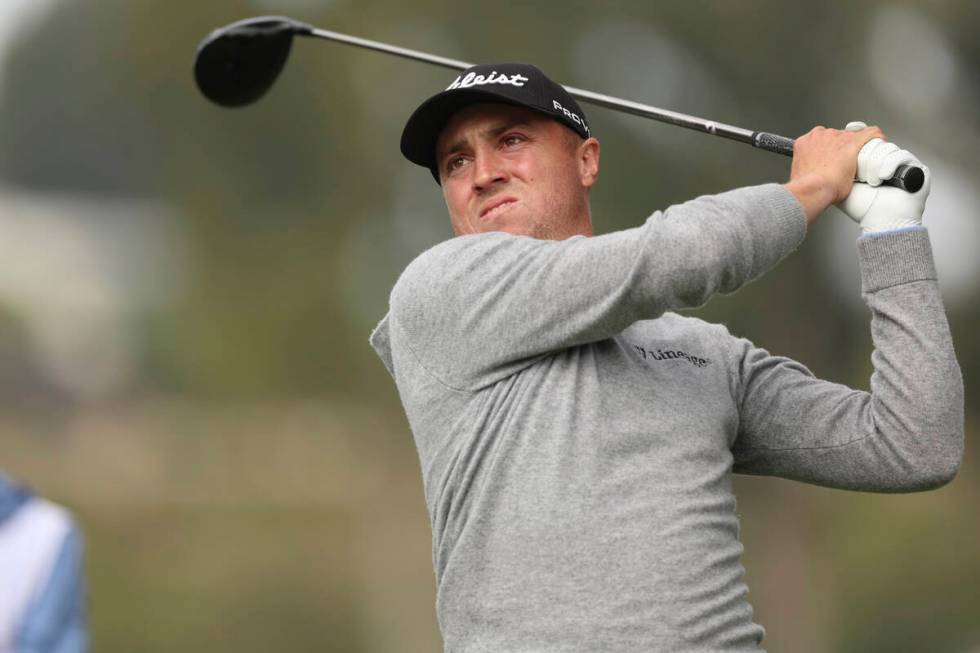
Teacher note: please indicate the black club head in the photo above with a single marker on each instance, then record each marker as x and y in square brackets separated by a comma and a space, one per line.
[235, 65]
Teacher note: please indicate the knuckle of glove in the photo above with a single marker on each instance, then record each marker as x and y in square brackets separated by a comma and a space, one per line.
[893, 208]
[893, 160]
[871, 159]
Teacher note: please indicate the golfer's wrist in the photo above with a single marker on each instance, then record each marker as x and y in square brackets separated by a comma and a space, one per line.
[814, 194]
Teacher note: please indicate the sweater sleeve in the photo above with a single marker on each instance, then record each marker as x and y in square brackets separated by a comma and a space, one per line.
[478, 308]
[906, 434]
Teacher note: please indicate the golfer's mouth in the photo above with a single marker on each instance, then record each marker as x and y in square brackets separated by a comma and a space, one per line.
[496, 207]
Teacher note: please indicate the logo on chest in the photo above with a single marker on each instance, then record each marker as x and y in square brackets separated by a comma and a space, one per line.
[672, 355]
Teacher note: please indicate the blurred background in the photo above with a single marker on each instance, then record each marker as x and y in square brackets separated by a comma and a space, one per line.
[187, 294]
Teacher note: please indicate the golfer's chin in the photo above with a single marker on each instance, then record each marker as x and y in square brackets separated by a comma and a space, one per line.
[513, 222]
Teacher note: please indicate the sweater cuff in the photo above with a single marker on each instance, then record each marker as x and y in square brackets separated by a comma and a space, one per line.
[777, 222]
[891, 258]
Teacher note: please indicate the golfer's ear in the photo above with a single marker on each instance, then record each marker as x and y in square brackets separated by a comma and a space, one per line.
[588, 161]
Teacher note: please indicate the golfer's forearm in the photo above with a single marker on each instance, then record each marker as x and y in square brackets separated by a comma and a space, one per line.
[917, 387]
[717, 243]
[501, 300]
[906, 434]
[813, 194]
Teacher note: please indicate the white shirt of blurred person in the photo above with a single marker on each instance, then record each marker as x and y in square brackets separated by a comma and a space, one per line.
[42, 588]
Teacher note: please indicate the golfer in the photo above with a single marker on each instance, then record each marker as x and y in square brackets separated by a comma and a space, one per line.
[577, 437]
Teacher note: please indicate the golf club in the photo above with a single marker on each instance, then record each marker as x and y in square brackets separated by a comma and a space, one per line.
[235, 65]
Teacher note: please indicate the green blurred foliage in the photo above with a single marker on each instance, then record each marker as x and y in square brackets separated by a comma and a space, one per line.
[299, 214]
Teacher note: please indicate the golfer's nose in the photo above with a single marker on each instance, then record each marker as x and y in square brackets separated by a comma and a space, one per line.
[488, 169]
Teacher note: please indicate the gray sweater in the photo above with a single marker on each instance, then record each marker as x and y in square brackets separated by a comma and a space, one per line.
[577, 439]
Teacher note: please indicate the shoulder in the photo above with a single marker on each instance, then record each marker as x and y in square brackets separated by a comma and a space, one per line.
[449, 252]
[470, 246]
[43, 520]
[450, 264]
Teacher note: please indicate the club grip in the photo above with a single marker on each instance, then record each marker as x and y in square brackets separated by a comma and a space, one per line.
[908, 178]
[773, 143]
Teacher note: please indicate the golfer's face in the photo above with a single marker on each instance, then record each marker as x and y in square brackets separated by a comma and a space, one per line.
[506, 168]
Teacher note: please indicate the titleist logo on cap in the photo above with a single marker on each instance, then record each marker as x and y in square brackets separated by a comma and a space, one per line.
[472, 79]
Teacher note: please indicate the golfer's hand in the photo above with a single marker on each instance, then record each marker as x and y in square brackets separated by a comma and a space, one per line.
[824, 166]
[881, 208]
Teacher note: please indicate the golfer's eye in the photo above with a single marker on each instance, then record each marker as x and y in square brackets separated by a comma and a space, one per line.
[513, 139]
[455, 163]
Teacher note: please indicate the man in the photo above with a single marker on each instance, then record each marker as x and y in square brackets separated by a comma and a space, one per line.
[576, 437]
[42, 589]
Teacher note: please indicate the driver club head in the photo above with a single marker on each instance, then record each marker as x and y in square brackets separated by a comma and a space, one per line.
[235, 65]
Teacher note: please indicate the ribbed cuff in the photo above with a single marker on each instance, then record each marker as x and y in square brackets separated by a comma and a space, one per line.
[892, 258]
[892, 230]
[776, 220]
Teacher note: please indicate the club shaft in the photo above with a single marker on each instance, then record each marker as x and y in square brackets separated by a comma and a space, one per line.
[390, 49]
[907, 177]
[663, 115]
[608, 101]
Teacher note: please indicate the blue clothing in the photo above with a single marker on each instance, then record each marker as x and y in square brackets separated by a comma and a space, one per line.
[42, 609]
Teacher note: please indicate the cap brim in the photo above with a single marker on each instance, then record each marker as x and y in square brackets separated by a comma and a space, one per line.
[422, 130]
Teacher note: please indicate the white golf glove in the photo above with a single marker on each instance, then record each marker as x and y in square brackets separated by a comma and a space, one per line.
[881, 208]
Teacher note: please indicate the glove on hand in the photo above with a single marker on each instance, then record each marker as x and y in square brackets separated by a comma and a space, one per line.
[881, 208]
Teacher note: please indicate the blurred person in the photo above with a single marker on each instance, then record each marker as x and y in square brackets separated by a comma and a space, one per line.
[42, 588]
[576, 436]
